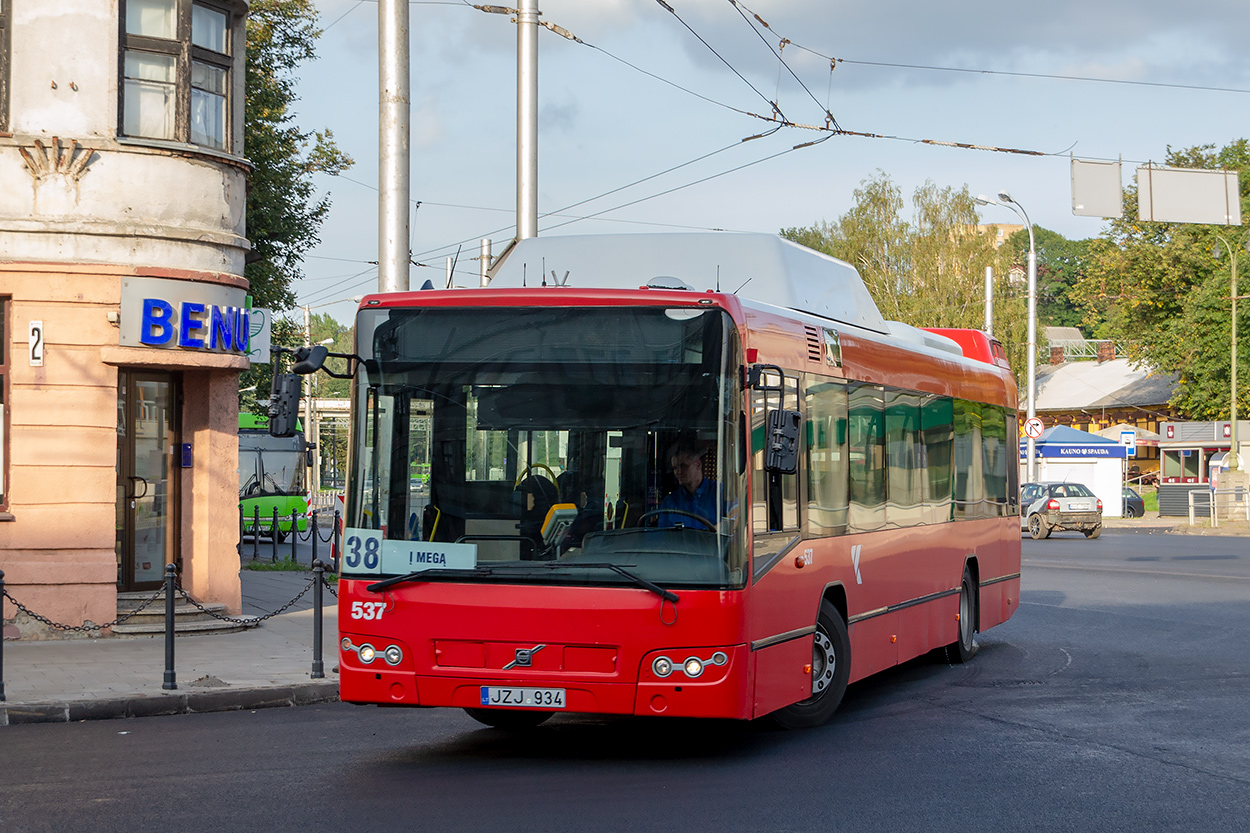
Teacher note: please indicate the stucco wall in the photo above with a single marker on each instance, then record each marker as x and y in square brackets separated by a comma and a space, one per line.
[58, 551]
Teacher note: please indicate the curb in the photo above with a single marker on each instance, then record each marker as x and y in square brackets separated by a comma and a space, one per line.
[302, 694]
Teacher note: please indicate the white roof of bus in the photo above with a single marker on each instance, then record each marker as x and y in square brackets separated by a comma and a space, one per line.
[760, 267]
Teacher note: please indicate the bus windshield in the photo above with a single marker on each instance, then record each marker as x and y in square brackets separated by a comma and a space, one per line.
[270, 465]
[570, 445]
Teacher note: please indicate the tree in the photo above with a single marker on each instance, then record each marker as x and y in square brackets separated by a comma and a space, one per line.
[1061, 265]
[1163, 291]
[283, 216]
[928, 271]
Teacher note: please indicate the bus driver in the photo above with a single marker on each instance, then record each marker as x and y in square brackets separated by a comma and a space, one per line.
[695, 494]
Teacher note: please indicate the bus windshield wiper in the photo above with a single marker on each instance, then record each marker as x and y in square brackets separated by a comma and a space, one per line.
[485, 570]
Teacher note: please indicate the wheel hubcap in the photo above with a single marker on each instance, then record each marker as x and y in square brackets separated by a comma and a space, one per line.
[824, 662]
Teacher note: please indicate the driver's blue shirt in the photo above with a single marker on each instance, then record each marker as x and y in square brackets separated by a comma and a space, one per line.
[702, 503]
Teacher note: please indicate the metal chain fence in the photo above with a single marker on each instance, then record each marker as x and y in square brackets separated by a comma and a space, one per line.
[38, 617]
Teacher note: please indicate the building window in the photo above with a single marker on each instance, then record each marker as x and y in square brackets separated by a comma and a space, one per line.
[4, 403]
[5, 62]
[176, 64]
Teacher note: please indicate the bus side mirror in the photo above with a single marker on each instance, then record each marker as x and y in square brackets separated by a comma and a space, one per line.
[782, 453]
[309, 359]
[284, 405]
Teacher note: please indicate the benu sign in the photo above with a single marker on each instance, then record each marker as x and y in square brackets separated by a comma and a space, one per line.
[184, 315]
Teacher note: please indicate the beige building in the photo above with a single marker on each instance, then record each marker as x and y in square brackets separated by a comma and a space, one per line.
[122, 193]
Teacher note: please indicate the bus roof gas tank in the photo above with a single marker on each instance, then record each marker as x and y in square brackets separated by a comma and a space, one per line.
[763, 268]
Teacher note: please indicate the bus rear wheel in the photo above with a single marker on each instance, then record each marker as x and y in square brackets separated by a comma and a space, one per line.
[965, 647]
[831, 669]
[509, 718]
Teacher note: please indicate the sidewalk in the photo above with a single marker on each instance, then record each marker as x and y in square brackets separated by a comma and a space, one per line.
[269, 665]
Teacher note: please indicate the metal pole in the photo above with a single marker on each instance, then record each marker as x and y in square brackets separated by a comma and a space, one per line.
[255, 531]
[527, 120]
[171, 682]
[273, 536]
[314, 536]
[484, 258]
[294, 533]
[394, 114]
[1234, 457]
[989, 300]
[1031, 467]
[318, 668]
[1, 636]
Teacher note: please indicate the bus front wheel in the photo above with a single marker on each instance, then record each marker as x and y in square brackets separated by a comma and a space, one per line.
[831, 669]
[509, 718]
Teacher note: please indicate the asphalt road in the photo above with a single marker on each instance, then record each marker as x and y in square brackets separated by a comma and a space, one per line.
[1116, 699]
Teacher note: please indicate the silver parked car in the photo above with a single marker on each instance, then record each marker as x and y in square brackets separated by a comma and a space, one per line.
[1049, 506]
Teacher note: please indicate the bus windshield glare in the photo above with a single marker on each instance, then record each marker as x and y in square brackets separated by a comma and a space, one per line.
[581, 446]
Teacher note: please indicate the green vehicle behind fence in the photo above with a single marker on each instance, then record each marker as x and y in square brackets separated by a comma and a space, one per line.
[271, 476]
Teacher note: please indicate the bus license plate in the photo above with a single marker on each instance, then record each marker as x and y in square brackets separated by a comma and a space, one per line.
[523, 698]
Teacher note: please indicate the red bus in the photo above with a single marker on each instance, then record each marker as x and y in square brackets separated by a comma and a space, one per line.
[691, 475]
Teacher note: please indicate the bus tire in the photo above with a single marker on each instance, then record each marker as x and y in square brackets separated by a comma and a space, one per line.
[831, 669]
[965, 647]
[509, 718]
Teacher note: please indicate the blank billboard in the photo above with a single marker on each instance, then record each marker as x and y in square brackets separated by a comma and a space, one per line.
[1188, 195]
[1096, 190]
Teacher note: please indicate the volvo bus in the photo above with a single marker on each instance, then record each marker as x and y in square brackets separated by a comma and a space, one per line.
[692, 475]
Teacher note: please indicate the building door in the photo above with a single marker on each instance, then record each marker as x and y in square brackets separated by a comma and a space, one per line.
[146, 488]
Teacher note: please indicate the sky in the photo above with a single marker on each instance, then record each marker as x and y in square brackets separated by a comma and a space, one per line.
[645, 124]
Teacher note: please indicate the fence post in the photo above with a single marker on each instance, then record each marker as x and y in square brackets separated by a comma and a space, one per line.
[336, 546]
[255, 532]
[313, 527]
[318, 667]
[240, 529]
[170, 680]
[1, 636]
[294, 534]
[273, 536]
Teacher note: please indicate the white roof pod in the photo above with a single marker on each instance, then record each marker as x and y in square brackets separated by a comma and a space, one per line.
[760, 267]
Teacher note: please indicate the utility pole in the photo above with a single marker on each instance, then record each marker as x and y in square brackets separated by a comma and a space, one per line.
[527, 120]
[394, 116]
[310, 434]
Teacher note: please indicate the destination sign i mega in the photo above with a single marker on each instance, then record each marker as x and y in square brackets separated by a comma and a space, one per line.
[366, 551]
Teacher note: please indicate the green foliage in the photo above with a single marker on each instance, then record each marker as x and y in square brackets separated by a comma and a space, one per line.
[1162, 291]
[283, 216]
[1061, 265]
[928, 271]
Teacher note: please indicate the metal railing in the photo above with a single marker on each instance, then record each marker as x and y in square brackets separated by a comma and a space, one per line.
[1232, 503]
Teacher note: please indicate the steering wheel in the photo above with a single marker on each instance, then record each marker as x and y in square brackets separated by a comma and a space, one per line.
[551, 475]
[656, 512]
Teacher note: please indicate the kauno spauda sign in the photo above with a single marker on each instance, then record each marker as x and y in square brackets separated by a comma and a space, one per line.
[184, 315]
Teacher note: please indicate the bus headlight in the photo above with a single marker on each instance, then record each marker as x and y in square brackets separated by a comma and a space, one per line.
[693, 667]
[393, 655]
[366, 653]
[662, 666]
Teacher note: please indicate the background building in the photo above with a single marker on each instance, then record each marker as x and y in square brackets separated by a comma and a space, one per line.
[122, 194]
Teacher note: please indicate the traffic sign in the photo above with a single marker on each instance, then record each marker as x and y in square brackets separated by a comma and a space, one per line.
[1033, 427]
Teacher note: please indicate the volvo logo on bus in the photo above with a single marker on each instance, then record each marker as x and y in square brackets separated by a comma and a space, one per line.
[524, 657]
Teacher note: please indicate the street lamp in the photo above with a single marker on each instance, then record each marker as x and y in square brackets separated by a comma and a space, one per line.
[1031, 376]
[1234, 451]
